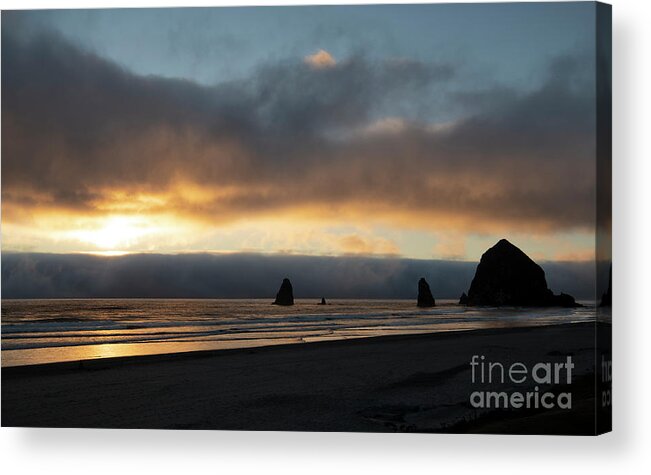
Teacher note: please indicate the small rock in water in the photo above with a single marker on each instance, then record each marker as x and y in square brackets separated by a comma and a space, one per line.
[425, 297]
[285, 295]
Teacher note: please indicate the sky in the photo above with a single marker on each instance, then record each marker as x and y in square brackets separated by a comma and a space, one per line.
[415, 132]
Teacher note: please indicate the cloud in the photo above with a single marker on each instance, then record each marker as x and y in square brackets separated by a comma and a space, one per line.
[355, 244]
[251, 276]
[320, 60]
[83, 136]
[450, 246]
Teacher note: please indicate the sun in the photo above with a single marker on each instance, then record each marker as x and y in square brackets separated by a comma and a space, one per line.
[116, 233]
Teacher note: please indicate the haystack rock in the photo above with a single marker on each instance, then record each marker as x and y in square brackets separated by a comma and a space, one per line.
[507, 276]
[425, 297]
[285, 295]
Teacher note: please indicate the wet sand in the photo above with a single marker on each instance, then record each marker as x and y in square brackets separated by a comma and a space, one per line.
[416, 383]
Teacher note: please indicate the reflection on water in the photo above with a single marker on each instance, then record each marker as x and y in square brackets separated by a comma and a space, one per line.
[41, 331]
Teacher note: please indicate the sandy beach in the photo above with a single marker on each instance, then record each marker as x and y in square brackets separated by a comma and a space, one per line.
[418, 383]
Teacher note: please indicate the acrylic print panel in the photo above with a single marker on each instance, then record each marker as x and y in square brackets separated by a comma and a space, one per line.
[318, 218]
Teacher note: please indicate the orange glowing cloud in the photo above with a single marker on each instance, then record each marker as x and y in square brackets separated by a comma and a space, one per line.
[355, 244]
[320, 60]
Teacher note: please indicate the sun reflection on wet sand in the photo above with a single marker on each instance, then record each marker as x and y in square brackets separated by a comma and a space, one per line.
[116, 350]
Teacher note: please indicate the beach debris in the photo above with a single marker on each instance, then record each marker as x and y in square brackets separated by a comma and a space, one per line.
[425, 297]
[285, 295]
[507, 276]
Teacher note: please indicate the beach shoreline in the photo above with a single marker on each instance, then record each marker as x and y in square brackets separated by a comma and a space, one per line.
[53, 331]
[411, 383]
[114, 361]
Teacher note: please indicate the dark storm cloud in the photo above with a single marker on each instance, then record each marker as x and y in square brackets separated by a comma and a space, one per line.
[77, 128]
[251, 276]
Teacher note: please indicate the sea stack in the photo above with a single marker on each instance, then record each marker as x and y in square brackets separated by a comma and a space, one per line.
[506, 276]
[425, 297]
[285, 295]
[323, 301]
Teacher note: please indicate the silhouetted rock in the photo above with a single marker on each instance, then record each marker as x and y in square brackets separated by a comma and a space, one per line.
[425, 297]
[323, 301]
[563, 300]
[507, 276]
[285, 295]
[607, 298]
[463, 300]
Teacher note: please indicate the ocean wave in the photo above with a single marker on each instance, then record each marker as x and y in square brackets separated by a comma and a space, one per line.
[52, 324]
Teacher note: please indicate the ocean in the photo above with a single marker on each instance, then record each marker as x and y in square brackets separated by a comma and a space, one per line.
[47, 331]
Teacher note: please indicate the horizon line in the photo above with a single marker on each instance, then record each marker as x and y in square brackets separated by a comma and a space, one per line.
[213, 252]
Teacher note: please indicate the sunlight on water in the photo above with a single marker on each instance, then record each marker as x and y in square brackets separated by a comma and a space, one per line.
[44, 331]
